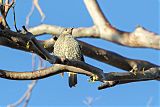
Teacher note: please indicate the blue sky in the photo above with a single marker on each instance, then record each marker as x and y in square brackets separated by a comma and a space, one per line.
[54, 91]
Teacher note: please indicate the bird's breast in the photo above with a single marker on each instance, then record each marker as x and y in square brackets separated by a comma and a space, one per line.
[68, 48]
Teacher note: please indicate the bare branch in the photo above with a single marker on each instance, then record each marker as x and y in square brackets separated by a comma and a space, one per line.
[152, 73]
[110, 78]
[24, 40]
[29, 14]
[36, 3]
[128, 77]
[4, 8]
[99, 54]
[53, 70]
[96, 13]
[8, 5]
[25, 96]
[140, 38]
[29, 92]
[50, 58]
[102, 29]
[113, 58]
[106, 56]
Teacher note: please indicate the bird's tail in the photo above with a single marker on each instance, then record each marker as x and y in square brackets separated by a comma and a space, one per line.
[72, 80]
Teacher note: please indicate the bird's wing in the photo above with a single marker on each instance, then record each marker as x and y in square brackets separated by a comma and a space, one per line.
[82, 57]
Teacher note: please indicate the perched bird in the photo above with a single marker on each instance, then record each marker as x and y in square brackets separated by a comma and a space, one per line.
[67, 47]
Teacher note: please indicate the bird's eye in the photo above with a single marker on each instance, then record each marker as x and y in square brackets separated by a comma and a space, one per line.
[55, 38]
[65, 30]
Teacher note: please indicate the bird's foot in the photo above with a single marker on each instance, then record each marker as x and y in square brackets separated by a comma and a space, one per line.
[134, 70]
[28, 44]
[93, 78]
[143, 69]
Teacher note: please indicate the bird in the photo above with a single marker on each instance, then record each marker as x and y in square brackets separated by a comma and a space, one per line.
[66, 46]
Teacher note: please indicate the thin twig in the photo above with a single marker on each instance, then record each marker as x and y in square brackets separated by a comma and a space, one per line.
[14, 16]
[29, 15]
[36, 3]
[29, 92]
[25, 95]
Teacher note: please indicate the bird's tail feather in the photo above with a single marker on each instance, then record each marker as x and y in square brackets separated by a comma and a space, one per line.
[72, 80]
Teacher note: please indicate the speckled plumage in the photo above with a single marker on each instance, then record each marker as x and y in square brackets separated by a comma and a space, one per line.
[67, 47]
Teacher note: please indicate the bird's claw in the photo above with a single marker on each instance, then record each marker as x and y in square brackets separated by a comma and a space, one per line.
[93, 78]
[143, 71]
[28, 44]
[134, 70]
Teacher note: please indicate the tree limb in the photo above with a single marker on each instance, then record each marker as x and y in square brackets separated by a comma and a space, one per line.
[106, 56]
[113, 58]
[99, 54]
[128, 77]
[24, 39]
[26, 95]
[102, 29]
[140, 38]
[39, 74]
[109, 78]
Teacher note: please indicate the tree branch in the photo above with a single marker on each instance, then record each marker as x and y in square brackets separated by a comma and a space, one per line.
[96, 13]
[4, 9]
[109, 78]
[91, 71]
[26, 95]
[99, 54]
[114, 59]
[23, 40]
[140, 38]
[106, 56]
[127, 77]
[53, 70]
[36, 3]
[102, 29]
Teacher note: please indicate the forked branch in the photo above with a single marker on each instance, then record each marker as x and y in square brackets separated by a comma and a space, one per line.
[101, 29]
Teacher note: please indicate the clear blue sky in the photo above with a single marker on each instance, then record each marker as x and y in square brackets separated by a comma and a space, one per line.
[54, 91]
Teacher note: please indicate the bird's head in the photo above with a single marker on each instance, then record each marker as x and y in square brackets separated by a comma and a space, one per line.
[67, 31]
